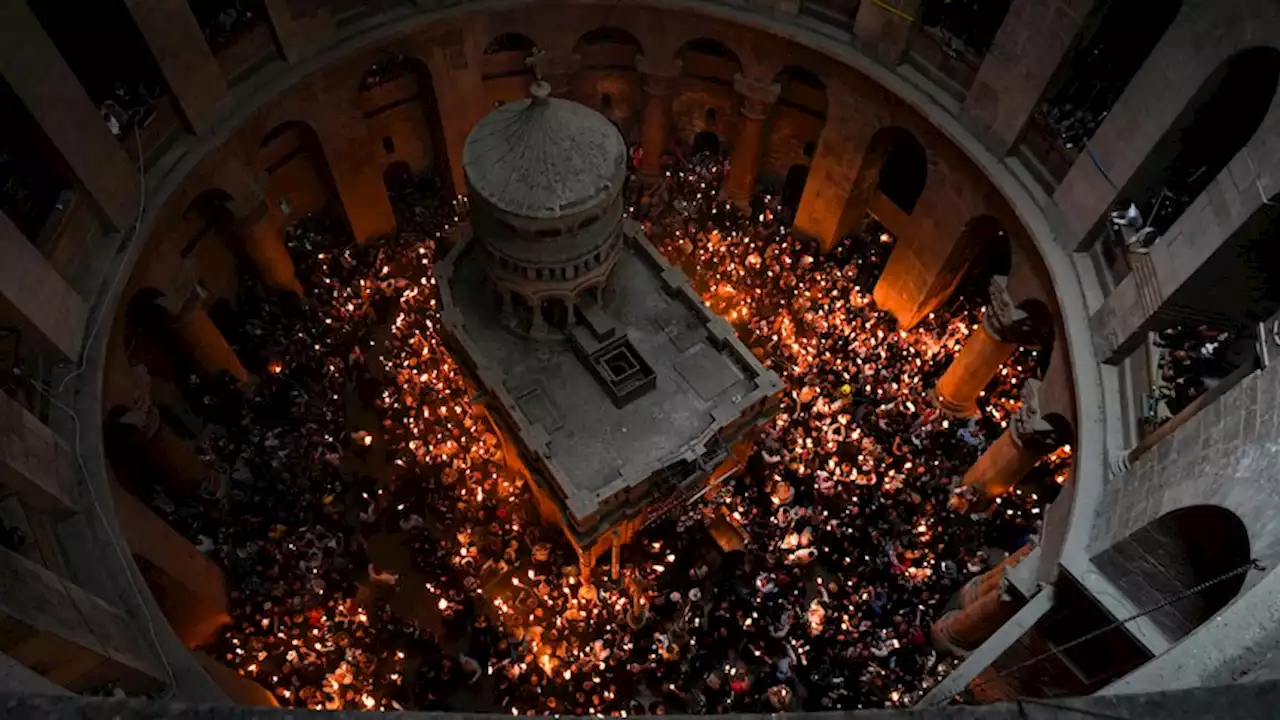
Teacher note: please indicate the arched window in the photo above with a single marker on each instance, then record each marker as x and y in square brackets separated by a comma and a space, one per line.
[608, 48]
[709, 60]
[1113, 43]
[1219, 120]
[903, 174]
[510, 42]
[1175, 553]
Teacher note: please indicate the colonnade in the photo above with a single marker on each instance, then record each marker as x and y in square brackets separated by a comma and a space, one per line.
[50, 92]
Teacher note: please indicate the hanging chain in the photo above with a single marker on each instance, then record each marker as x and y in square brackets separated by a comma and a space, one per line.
[1253, 564]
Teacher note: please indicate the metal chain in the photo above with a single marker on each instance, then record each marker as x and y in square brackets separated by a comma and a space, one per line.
[1253, 564]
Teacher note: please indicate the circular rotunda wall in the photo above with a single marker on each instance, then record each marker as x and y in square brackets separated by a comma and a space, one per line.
[311, 135]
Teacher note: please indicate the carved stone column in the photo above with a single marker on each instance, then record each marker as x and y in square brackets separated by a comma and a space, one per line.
[758, 97]
[1003, 329]
[660, 77]
[203, 341]
[264, 245]
[1028, 438]
[963, 630]
[557, 70]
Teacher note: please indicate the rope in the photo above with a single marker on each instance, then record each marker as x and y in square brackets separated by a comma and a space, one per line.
[894, 10]
[1251, 565]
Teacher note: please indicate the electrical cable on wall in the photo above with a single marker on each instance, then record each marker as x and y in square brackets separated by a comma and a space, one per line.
[128, 235]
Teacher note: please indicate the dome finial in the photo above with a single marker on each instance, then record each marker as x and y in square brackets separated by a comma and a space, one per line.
[540, 90]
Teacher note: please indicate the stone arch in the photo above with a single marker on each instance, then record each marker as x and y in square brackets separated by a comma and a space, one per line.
[1215, 124]
[1175, 552]
[596, 47]
[709, 59]
[706, 100]
[299, 180]
[207, 212]
[796, 122]
[607, 79]
[396, 175]
[982, 251]
[894, 165]
[1135, 141]
[397, 97]
[706, 142]
[505, 67]
[1104, 57]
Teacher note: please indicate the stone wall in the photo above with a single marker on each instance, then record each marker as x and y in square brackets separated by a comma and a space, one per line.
[1202, 37]
[346, 156]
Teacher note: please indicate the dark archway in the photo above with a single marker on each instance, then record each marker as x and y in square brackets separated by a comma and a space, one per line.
[1111, 46]
[608, 48]
[607, 79]
[299, 180]
[802, 90]
[709, 60]
[983, 251]
[506, 56]
[1174, 553]
[802, 110]
[397, 97]
[903, 167]
[397, 175]
[706, 142]
[793, 186]
[1218, 121]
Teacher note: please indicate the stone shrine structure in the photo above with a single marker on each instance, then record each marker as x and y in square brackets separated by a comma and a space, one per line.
[616, 392]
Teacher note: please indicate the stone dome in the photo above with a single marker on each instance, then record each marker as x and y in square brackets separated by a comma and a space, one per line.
[544, 157]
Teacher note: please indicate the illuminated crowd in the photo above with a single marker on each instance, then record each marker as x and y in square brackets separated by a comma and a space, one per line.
[381, 557]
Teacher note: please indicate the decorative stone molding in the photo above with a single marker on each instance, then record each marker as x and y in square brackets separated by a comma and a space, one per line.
[142, 413]
[1004, 319]
[758, 96]
[1030, 429]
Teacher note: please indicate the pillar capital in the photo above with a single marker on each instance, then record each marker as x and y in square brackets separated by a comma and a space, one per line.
[182, 299]
[659, 74]
[1028, 428]
[1004, 319]
[758, 96]
[142, 412]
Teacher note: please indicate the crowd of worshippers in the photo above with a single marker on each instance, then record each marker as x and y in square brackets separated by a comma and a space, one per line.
[1191, 359]
[380, 555]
